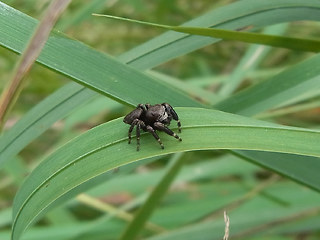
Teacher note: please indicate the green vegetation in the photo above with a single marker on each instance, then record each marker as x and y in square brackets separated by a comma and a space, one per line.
[251, 109]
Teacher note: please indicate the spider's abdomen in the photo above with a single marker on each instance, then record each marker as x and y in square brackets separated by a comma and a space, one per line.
[135, 114]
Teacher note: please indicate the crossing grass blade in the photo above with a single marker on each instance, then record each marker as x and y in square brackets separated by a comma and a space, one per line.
[299, 44]
[136, 226]
[233, 16]
[95, 152]
[250, 61]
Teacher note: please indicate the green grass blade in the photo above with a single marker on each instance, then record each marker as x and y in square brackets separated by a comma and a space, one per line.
[299, 107]
[249, 62]
[44, 114]
[202, 95]
[233, 16]
[144, 213]
[289, 86]
[304, 170]
[300, 44]
[301, 205]
[95, 152]
[171, 44]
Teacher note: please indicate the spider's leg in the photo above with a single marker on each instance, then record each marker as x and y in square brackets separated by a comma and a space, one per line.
[140, 124]
[130, 131]
[134, 122]
[160, 126]
[155, 135]
[138, 135]
[179, 125]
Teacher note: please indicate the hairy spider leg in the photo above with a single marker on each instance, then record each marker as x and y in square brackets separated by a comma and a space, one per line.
[130, 130]
[179, 125]
[160, 126]
[139, 124]
[155, 135]
[138, 135]
[135, 122]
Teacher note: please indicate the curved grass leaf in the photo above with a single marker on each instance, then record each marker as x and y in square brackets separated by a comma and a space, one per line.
[300, 44]
[96, 152]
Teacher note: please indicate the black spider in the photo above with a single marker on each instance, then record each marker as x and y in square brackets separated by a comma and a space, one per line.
[151, 118]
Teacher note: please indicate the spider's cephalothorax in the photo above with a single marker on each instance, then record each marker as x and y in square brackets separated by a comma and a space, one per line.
[151, 118]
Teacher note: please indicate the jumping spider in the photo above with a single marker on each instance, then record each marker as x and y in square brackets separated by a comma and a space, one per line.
[151, 118]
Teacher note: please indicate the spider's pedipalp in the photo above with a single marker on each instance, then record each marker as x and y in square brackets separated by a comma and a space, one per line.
[173, 113]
